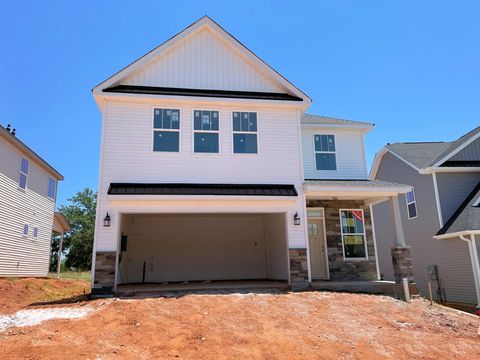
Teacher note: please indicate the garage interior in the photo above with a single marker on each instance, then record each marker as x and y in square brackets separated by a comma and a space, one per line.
[202, 248]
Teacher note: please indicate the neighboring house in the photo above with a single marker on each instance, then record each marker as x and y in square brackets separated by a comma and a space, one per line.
[209, 170]
[440, 216]
[28, 188]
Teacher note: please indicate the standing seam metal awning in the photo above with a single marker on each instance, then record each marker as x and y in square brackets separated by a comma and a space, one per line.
[202, 189]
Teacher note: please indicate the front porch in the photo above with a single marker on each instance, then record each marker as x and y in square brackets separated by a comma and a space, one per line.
[341, 235]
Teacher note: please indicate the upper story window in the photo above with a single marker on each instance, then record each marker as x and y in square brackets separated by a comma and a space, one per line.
[411, 204]
[244, 132]
[325, 155]
[25, 229]
[166, 130]
[205, 131]
[52, 185]
[22, 179]
[353, 234]
[35, 232]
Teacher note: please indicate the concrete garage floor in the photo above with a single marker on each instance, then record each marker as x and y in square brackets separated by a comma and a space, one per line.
[131, 289]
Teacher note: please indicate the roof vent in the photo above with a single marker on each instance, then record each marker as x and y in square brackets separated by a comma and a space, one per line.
[8, 127]
[13, 132]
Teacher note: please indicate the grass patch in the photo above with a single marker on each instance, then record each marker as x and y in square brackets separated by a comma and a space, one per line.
[76, 275]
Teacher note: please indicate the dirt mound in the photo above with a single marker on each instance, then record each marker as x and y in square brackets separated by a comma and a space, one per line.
[17, 293]
[310, 325]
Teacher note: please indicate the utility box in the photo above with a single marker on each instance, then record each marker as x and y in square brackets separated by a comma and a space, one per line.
[432, 271]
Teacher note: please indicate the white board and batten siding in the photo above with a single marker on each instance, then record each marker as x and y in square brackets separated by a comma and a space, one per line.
[203, 61]
[350, 155]
[128, 157]
[23, 255]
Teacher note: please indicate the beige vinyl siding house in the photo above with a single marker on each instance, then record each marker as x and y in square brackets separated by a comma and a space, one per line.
[27, 203]
[207, 165]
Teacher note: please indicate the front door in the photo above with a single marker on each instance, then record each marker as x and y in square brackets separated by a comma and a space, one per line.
[316, 238]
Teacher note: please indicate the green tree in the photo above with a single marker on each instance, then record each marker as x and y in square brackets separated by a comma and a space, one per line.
[78, 242]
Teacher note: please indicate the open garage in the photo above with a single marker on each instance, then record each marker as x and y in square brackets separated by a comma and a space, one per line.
[160, 248]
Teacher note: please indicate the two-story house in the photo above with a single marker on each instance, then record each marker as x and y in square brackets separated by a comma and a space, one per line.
[210, 171]
[440, 216]
[28, 187]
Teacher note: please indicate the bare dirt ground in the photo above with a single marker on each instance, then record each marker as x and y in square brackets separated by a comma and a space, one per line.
[17, 293]
[261, 325]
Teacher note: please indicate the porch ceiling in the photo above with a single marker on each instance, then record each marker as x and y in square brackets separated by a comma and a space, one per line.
[367, 190]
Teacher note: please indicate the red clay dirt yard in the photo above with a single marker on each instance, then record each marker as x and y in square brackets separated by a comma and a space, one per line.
[258, 325]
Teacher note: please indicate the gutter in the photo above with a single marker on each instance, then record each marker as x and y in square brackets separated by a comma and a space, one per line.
[475, 264]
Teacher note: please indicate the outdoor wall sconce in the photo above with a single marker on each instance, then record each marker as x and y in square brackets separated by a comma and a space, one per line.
[296, 219]
[106, 220]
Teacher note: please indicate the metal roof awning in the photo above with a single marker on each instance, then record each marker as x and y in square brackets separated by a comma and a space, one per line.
[152, 90]
[202, 189]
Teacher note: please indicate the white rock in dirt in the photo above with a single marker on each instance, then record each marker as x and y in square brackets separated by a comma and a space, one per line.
[33, 317]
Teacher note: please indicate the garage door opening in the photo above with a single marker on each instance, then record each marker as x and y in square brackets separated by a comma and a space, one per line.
[176, 248]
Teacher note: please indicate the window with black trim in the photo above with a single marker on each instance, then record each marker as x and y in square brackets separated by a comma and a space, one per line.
[205, 131]
[245, 132]
[411, 204]
[166, 130]
[325, 153]
[353, 233]
[22, 179]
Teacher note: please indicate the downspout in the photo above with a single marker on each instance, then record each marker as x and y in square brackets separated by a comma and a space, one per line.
[475, 263]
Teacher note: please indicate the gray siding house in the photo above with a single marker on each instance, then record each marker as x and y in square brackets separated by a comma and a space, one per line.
[440, 216]
[28, 187]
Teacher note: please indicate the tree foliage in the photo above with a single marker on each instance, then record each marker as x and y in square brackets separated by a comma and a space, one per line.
[78, 242]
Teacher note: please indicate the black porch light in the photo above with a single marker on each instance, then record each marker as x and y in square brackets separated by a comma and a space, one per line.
[296, 219]
[106, 220]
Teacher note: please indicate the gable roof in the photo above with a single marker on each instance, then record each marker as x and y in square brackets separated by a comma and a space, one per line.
[204, 22]
[420, 154]
[25, 150]
[317, 119]
[424, 155]
[466, 217]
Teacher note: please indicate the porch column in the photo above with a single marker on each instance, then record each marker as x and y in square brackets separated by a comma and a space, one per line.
[59, 256]
[401, 257]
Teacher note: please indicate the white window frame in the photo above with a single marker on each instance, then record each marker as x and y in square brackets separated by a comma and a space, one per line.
[23, 230]
[35, 236]
[364, 234]
[315, 152]
[54, 188]
[167, 130]
[244, 132]
[206, 131]
[20, 172]
[413, 202]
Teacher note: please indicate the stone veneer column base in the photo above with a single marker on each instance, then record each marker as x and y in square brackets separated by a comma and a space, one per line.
[402, 263]
[104, 277]
[298, 269]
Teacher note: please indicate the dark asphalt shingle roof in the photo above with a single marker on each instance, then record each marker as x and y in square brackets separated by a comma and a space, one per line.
[425, 154]
[467, 216]
[317, 119]
[202, 189]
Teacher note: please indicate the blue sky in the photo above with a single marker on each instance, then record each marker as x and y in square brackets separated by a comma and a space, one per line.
[410, 67]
